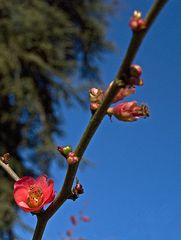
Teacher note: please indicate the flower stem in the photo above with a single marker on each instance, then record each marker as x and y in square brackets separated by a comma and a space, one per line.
[95, 121]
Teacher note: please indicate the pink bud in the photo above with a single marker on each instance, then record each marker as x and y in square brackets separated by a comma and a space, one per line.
[129, 111]
[135, 81]
[85, 218]
[69, 232]
[135, 70]
[141, 24]
[73, 220]
[96, 95]
[94, 106]
[137, 23]
[72, 158]
[133, 24]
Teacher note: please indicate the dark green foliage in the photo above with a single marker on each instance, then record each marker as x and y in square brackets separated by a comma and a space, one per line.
[44, 44]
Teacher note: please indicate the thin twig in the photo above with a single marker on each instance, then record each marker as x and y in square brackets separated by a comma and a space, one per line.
[98, 116]
[9, 170]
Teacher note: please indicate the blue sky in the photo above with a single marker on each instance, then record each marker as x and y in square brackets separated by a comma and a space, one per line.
[133, 188]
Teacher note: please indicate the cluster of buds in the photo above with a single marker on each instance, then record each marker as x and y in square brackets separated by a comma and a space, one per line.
[128, 111]
[137, 23]
[96, 97]
[67, 152]
[72, 158]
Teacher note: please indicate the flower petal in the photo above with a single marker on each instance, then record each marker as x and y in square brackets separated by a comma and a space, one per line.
[20, 194]
[24, 182]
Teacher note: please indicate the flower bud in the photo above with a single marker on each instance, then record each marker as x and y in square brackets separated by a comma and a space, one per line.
[96, 95]
[85, 218]
[129, 111]
[73, 220]
[135, 70]
[72, 158]
[5, 158]
[137, 23]
[64, 150]
[94, 106]
[69, 232]
[78, 189]
[135, 81]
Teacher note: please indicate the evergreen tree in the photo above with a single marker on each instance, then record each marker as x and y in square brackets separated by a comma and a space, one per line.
[48, 52]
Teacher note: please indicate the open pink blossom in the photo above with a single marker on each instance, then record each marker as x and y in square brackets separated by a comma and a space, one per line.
[128, 111]
[32, 194]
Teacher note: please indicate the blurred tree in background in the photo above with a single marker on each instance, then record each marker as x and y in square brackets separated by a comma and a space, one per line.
[48, 54]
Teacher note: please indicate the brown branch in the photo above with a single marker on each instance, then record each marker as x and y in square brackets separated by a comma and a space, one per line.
[98, 116]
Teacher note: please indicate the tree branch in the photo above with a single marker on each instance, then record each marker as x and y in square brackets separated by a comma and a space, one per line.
[95, 121]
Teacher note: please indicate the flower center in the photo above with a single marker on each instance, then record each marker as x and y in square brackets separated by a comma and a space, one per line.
[35, 197]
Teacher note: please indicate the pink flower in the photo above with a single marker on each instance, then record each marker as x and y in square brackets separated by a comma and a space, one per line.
[31, 195]
[128, 111]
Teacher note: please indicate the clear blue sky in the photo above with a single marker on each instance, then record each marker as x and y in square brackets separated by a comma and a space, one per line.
[133, 190]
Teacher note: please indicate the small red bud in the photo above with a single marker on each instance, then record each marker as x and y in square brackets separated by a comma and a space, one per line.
[73, 220]
[135, 81]
[72, 158]
[85, 218]
[69, 232]
[96, 95]
[141, 24]
[133, 24]
[137, 23]
[135, 70]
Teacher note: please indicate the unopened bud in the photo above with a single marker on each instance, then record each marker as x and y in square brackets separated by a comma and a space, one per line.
[64, 150]
[72, 158]
[69, 232]
[5, 158]
[137, 15]
[96, 95]
[78, 189]
[73, 220]
[135, 70]
[129, 111]
[135, 81]
[136, 22]
[85, 218]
